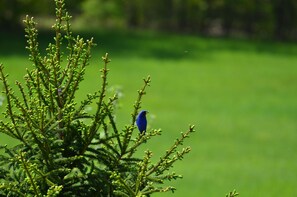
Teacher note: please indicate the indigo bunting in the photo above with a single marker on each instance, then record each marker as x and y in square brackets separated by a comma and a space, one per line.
[141, 121]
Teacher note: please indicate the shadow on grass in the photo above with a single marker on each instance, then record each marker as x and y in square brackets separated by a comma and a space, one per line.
[152, 45]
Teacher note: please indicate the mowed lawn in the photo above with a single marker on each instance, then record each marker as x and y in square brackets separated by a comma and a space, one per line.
[241, 95]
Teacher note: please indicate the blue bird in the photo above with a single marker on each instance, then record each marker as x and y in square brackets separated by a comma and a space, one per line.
[141, 121]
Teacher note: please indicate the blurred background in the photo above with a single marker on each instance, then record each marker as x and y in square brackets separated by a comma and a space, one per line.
[229, 67]
[275, 19]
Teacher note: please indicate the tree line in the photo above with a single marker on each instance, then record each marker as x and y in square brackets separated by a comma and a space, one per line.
[273, 19]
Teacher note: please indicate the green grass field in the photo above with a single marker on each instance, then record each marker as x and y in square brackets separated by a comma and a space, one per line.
[241, 95]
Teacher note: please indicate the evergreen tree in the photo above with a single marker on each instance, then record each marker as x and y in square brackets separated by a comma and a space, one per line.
[64, 150]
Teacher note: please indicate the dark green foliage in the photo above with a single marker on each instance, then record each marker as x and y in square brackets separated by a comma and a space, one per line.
[63, 150]
[251, 18]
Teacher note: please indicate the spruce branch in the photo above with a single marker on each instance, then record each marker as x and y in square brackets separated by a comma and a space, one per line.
[54, 191]
[140, 180]
[115, 129]
[34, 88]
[9, 112]
[100, 114]
[76, 76]
[120, 182]
[141, 93]
[11, 188]
[24, 96]
[137, 105]
[28, 171]
[142, 138]
[150, 190]
[171, 155]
